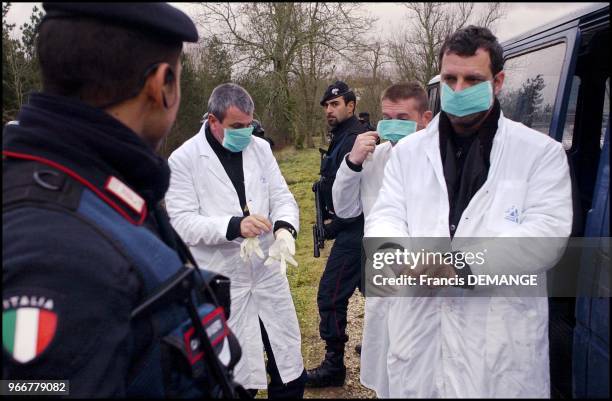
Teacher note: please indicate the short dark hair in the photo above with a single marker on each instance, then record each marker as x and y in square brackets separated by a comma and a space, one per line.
[350, 97]
[404, 91]
[465, 42]
[98, 62]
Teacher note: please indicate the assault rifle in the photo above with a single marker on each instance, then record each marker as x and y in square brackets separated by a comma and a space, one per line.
[318, 230]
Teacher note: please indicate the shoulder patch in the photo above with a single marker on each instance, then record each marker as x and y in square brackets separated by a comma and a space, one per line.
[29, 324]
[125, 194]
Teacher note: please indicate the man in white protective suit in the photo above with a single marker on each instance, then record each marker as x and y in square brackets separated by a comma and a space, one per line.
[473, 175]
[229, 202]
[358, 181]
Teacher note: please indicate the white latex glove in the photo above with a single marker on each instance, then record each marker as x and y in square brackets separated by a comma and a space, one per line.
[282, 250]
[248, 246]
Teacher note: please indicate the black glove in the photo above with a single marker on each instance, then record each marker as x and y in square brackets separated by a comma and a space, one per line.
[331, 229]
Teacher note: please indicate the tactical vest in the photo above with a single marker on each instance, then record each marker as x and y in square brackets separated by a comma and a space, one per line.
[173, 365]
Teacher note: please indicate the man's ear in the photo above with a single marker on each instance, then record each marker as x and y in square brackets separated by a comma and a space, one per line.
[427, 116]
[354, 105]
[213, 121]
[498, 82]
[161, 86]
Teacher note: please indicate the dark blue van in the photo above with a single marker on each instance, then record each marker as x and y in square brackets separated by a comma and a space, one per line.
[558, 82]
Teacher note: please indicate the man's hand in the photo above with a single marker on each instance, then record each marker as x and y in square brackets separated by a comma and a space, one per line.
[431, 270]
[254, 225]
[330, 229]
[364, 145]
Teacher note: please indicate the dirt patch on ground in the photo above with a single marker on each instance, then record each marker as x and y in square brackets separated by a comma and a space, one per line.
[352, 386]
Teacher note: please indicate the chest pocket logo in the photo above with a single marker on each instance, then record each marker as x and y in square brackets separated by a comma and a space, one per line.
[512, 214]
[507, 206]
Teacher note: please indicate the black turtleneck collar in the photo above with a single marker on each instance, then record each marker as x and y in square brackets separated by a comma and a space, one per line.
[485, 133]
[89, 141]
[466, 162]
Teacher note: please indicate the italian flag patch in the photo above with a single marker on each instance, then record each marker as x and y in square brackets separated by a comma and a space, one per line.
[26, 332]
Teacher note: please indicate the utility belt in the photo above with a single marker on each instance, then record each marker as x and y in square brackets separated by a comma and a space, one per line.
[193, 352]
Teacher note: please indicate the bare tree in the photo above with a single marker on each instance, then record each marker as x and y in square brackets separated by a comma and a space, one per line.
[369, 76]
[285, 42]
[334, 31]
[415, 51]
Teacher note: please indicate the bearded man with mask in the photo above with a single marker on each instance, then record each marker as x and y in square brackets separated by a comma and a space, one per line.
[231, 205]
[358, 181]
[473, 174]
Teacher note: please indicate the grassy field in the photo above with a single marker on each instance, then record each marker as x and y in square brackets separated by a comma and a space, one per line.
[301, 169]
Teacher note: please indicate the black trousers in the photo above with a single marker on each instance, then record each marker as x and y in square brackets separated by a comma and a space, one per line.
[341, 276]
[276, 388]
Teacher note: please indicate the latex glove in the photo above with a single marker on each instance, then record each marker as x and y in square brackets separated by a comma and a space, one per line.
[248, 246]
[282, 250]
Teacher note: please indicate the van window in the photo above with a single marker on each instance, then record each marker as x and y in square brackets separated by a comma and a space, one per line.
[606, 113]
[568, 128]
[530, 87]
[433, 95]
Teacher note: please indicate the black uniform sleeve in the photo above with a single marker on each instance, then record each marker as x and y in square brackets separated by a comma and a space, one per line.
[233, 228]
[59, 264]
[278, 224]
[355, 167]
[346, 147]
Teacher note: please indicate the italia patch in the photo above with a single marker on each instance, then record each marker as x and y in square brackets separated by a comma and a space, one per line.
[29, 324]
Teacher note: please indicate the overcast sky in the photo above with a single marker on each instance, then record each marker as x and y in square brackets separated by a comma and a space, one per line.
[520, 17]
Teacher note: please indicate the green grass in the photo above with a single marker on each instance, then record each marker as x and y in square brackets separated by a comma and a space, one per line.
[301, 169]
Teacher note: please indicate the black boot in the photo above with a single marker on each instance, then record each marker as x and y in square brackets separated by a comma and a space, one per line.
[331, 372]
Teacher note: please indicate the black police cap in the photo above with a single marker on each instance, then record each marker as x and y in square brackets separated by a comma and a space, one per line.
[335, 90]
[258, 129]
[159, 18]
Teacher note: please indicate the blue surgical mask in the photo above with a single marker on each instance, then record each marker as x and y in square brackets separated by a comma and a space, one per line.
[394, 130]
[236, 139]
[471, 100]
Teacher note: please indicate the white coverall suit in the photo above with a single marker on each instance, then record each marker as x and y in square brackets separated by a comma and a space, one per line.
[353, 193]
[485, 346]
[201, 201]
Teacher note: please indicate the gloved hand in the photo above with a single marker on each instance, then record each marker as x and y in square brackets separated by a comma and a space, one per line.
[248, 246]
[330, 229]
[282, 250]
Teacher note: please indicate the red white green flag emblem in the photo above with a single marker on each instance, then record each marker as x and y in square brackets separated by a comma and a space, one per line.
[26, 332]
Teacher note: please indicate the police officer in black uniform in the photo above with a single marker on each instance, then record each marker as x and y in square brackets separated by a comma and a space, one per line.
[342, 273]
[364, 118]
[89, 258]
[258, 130]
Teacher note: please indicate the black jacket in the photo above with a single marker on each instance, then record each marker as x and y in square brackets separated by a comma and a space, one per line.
[343, 139]
[52, 252]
